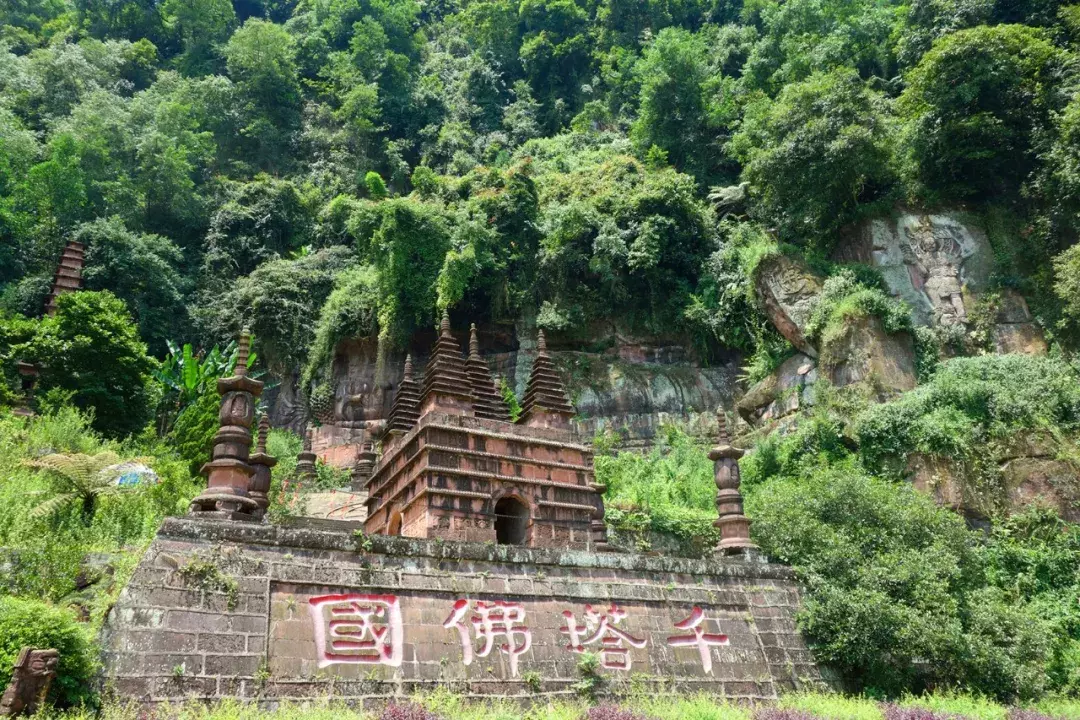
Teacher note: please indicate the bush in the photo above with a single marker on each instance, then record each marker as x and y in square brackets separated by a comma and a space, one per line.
[91, 348]
[670, 491]
[974, 108]
[31, 623]
[817, 156]
[193, 432]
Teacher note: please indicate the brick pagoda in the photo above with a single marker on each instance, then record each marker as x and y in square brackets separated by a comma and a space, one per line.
[454, 467]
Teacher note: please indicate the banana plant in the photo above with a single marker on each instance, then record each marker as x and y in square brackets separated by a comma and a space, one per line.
[185, 375]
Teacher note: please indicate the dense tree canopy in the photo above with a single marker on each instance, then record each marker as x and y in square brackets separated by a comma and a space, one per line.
[548, 158]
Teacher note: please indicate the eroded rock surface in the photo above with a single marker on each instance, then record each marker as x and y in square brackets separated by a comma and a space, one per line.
[926, 259]
[787, 290]
[782, 393]
[862, 352]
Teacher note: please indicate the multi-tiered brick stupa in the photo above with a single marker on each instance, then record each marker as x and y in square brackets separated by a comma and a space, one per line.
[453, 466]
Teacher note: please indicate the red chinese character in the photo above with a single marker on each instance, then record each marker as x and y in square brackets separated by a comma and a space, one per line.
[700, 638]
[357, 629]
[601, 628]
[492, 619]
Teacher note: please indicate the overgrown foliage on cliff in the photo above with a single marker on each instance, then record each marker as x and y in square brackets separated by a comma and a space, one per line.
[234, 162]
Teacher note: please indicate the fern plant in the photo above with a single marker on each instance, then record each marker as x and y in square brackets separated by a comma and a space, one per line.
[77, 478]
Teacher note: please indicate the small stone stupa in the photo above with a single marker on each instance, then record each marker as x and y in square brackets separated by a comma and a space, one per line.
[406, 408]
[262, 462]
[306, 468]
[733, 525]
[545, 403]
[229, 473]
[487, 402]
[462, 471]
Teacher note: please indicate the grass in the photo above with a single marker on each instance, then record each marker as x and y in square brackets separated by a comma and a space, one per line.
[827, 706]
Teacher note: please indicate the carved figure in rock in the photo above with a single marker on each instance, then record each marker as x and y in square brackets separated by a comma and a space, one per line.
[30, 681]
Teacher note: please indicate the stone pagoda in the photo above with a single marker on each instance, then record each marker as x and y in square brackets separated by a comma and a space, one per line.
[734, 526]
[229, 474]
[454, 467]
[68, 277]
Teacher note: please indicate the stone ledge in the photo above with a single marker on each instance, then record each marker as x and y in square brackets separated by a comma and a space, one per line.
[210, 530]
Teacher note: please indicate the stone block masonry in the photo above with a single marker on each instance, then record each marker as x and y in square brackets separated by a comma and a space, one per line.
[240, 610]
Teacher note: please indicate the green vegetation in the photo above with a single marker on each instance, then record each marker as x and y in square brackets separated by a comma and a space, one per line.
[443, 704]
[232, 163]
[317, 171]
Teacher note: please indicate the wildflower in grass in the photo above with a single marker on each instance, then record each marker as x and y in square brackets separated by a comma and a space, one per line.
[613, 712]
[408, 711]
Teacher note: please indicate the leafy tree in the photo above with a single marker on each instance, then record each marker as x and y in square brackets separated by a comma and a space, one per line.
[91, 348]
[973, 109]
[261, 59]
[1067, 283]
[260, 220]
[816, 156]
[554, 54]
[279, 302]
[677, 102]
[141, 270]
[203, 25]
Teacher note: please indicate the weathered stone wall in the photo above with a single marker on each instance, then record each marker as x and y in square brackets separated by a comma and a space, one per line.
[632, 387]
[301, 612]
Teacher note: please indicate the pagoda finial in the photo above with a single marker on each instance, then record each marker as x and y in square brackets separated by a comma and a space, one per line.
[406, 408]
[722, 417]
[487, 401]
[734, 526]
[264, 432]
[545, 401]
[243, 351]
[474, 342]
[446, 386]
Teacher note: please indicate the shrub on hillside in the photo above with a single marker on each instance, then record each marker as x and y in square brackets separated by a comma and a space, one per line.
[896, 598]
[91, 348]
[31, 623]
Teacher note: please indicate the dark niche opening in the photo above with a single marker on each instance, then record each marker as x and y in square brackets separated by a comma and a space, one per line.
[394, 526]
[511, 521]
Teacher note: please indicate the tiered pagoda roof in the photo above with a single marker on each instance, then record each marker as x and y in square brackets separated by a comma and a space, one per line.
[545, 390]
[406, 409]
[68, 277]
[445, 373]
[487, 402]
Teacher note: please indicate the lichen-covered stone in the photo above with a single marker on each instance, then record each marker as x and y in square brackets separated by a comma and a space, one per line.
[787, 289]
[861, 351]
[781, 393]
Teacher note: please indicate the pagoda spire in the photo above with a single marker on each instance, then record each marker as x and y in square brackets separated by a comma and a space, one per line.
[733, 525]
[487, 402]
[545, 402]
[259, 488]
[68, 276]
[406, 408]
[446, 385]
[229, 473]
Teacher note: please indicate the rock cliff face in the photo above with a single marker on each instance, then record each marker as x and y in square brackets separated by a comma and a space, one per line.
[939, 263]
[632, 387]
